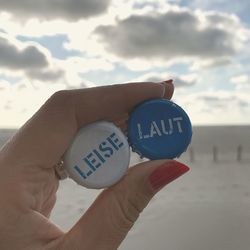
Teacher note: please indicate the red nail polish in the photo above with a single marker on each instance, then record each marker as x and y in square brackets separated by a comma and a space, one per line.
[166, 174]
[170, 82]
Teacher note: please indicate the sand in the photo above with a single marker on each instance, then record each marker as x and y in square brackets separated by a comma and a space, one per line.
[206, 209]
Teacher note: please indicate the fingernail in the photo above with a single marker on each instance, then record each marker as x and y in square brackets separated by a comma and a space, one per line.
[170, 82]
[167, 173]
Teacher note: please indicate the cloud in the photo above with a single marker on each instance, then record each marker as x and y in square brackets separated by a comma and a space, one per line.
[240, 79]
[54, 9]
[180, 81]
[2, 31]
[16, 100]
[244, 104]
[216, 106]
[211, 63]
[213, 102]
[46, 75]
[26, 58]
[177, 33]
[54, 43]
[241, 82]
[234, 6]
[4, 85]
[224, 101]
[37, 66]
[16, 57]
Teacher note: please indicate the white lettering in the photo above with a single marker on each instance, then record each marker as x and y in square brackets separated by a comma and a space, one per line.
[164, 131]
[161, 128]
[139, 130]
[171, 126]
[154, 129]
[178, 119]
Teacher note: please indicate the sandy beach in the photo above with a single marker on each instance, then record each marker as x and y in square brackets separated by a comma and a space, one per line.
[206, 209]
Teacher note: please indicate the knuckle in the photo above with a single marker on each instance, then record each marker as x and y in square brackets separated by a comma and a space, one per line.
[123, 219]
[129, 204]
[138, 202]
[61, 97]
[61, 102]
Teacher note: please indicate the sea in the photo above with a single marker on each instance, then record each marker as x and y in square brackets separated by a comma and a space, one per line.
[209, 141]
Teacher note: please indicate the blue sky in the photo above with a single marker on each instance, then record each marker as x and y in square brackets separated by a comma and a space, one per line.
[54, 43]
[51, 45]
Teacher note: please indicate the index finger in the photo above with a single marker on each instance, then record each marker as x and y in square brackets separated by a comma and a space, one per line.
[45, 137]
[103, 103]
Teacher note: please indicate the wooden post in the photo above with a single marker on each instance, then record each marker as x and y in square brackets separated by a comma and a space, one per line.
[191, 154]
[239, 153]
[215, 154]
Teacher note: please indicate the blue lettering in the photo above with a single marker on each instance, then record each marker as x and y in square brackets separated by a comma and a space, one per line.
[96, 158]
[99, 155]
[102, 148]
[89, 173]
[90, 160]
[80, 172]
[114, 141]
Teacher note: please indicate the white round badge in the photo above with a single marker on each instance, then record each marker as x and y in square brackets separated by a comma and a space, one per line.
[98, 156]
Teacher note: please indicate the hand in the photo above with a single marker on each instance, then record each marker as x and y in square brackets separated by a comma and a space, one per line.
[28, 182]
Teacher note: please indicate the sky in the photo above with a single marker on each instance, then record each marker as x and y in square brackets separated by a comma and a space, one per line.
[203, 45]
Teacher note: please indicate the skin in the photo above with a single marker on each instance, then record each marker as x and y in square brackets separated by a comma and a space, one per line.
[28, 183]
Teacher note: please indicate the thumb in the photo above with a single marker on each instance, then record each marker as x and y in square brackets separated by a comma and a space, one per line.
[111, 216]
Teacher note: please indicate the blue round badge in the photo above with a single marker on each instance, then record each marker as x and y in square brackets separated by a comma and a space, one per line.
[159, 129]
